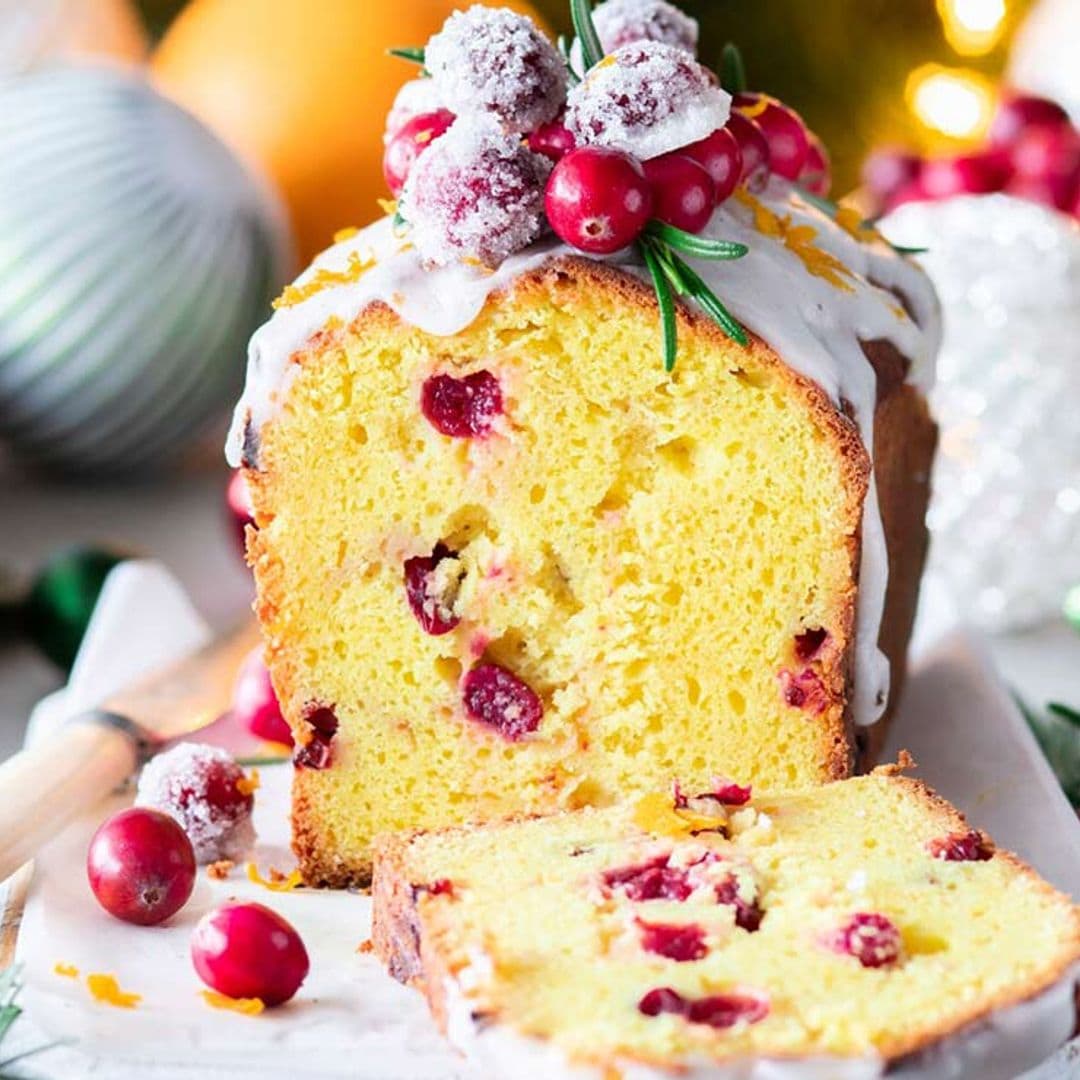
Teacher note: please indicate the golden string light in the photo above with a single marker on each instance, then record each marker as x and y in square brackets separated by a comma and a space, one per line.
[973, 27]
[956, 102]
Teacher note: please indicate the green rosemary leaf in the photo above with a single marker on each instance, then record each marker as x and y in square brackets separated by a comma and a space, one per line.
[732, 69]
[1071, 608]
[255, 762]
[694, 245]
[412, 53]
[663, 256]
[9, 991]
[666, 303]
[711, 303]
[1064, 712]
[32, 1052]
[592, 52]
[831, 209]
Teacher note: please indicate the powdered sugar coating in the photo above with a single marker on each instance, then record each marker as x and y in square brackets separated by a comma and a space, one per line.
[415, 97]
[647, 98]
[477, 194]
[197, 785]
[622, 22]
[495, 61]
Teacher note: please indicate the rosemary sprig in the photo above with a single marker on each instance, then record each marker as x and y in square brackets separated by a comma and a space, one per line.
[831, 209]
[665, 301]
[732, 69]
[10, 1011]
[592, 52]
[694, 245]
[414, 54]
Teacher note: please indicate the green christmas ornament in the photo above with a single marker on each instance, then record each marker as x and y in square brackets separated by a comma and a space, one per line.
[57, 610]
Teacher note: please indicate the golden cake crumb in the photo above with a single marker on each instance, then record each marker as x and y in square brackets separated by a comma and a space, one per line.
[220, 870]
[277, 881]
[67, 971]
[244, 1006]
[365, 947]
[106, 989]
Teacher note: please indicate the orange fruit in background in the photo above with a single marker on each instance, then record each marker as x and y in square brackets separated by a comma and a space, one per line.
[302, 88]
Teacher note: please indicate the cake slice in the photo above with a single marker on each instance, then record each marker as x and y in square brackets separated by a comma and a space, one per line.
[860, 927]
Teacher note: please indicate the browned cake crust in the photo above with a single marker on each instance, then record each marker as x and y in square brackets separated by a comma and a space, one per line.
[905, 438]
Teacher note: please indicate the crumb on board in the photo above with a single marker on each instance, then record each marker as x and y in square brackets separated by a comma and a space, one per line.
[220, 870]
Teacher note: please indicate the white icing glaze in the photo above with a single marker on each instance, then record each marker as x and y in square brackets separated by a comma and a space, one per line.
[1000, 1047]
[815, 326]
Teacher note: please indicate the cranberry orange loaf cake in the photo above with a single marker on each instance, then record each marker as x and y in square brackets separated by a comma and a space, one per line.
[584, 468]
[845, 931]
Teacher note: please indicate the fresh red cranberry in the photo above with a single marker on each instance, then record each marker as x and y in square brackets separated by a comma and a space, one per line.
[552, 140]
[730, 793]
[462, 408]
[965, 174]
[409, 142]
[748, 914]
[719, 153]
[141, 866]
[727, 1010]
[871, 938]
[887, 171]
[245, 950]
[654, 880]
[968, 846]
[663, 1000]
[716, 1010]
[804, 691]
[684, 194]
[753, 149]
[498, 698]
[238, 502]
[598, 200]
[1047, 166]
[1019, 113]
[682, 943]
[254, 703]
[431, 612]
[784, 131]
[317, 752]
[809, 643]
[816, 175]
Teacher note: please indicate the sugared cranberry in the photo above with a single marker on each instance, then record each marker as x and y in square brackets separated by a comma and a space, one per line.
[238, 502]
[416, 96]
[683, 192]
[622, 22]
[810, 642]
[1020, 113]
[205, 790]
[317, 752]
[254, 703]
[970, 846]
[716, 1010]
[754, 150]
[871, 938]
[462, 408]
[965, 174]
[887, 171]
[249, 951]
[432, 608]
[409, 142]
[727, 1010]
[784, 131]
[552, 140]
[816, 175]
[654, 880]
[804, 690]
[677, 942]
[719, 153]
[141, 866]
[598, 200]
[498, 698]
[748, 913]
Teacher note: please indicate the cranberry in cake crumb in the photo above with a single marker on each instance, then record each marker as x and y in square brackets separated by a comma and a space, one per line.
[716, 1010]
[871, 938]
[462, 408]
[498, 698]
[682, 943]
[442, 887]
[748, 913]
[654, 880]
[317, 752]
[804, 691]
[205, 790]
[730, 793]
[810, 642]
[431, 599]
[968, 846]
[662, 1000]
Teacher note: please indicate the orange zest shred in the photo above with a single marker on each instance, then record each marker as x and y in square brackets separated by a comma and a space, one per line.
[325, 279]
[751, 112]
[799, 240]
[655, 813]
[106, 989]
[244, 1006]
[366, 947]
[277, 882]
[248, 785]
[899, 312]
[66, 971]
[388, 206]
[852, 222]
[345, 234]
